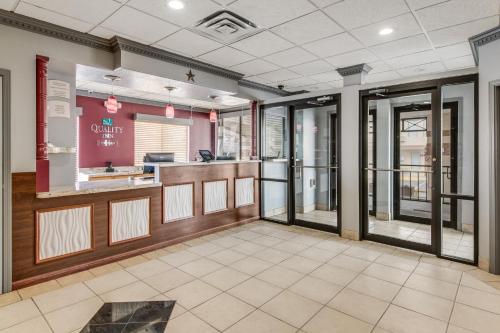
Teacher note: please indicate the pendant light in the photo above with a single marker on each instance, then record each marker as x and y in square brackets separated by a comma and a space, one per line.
[169, 108]
[213, 114]
[111, 103]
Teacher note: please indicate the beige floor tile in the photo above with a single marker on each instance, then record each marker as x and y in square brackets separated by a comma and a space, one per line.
[474, 319]
[351, 263]
[333, 245]
[316, 289]
[251, 265]
[280, 276]
[366, 308]
[193, 293]
[301, 264]
[188, 323]
[424, 303]
[132, 261]
[200, 267]
[291, 308]
[387, 273]
[483, 275]
[290, 246]
[260, 322]
[60, 298]
[38, 325]
[135, 292]
[334, 274]
[226, 241]
[105, 269]
[179, 258]
[272, 255]
[226, 257]
[432, 286]
[379, 330]
[17, 313]
[110, 281]
[318, 254]
[148, 268]
[456, 329]
[332, 321]
[472, 282]
[222, 311]
[397, 262]
[225, 278]
[377, 288]
[248, 248]
[308, 240]
[479, 299]
[156, 254]
[74, 316]
[168, 280]
[362, 253]
[9, 298]
[38, 289]
[75, 278]
[266, 240]
[438, 272]
[255, 292]
[397, 319]
[177, 310]
[205, 249]
[176, 247]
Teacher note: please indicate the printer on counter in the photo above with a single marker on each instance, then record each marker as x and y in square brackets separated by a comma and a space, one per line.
[157, 158]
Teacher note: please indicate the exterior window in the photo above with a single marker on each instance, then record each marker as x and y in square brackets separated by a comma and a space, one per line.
[235, 137]
[161, 138]
[275, 144]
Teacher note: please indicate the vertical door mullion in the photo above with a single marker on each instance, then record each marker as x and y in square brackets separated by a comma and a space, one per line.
[291, 163]
[436, 229]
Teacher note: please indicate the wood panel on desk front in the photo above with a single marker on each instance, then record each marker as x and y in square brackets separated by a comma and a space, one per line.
[24, 205]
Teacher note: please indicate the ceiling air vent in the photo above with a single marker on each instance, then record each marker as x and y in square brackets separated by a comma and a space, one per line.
[226, 27]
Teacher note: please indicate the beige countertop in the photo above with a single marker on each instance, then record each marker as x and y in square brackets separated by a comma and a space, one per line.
[177, 164]
[98, 186]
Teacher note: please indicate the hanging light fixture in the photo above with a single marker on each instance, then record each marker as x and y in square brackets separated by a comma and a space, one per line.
[111, 104]
[169, 108]
[213, 114]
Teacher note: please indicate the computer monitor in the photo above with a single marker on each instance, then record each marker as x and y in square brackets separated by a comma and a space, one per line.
[206, 155]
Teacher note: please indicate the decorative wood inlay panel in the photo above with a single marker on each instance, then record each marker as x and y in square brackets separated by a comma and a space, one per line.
[129, 220]
[244, 193]
[178, 202]
[63, 231]
[214, 196]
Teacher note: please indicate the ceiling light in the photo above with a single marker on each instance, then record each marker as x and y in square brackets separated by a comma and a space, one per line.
[169, 108]
[176, 4]
[386, 31]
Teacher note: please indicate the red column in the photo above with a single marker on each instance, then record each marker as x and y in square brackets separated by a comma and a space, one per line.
[254, 127]
[42, 161]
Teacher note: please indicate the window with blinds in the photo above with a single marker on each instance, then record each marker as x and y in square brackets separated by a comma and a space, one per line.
[274, 137]
[161, 138]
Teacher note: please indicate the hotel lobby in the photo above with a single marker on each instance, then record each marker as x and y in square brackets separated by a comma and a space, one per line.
[264, 166]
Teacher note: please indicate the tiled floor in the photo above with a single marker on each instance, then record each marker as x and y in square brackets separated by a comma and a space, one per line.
[265, 277]
[315, 216]
[455, 243]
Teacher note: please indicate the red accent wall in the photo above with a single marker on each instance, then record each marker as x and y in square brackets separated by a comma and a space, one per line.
[201, 134]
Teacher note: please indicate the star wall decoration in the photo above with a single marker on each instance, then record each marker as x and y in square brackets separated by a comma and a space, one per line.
[190, 76]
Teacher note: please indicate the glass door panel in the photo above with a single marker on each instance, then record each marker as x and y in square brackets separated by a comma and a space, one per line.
[315, 165]
[458, 204]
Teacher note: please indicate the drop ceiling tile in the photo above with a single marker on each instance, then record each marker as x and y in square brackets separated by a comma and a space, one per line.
[402, 47]
[49, 16]
[326, 77]
[454, 51]
[462, 32]
[417, 4]
[434, 67]
[226, 57]
[300, 81]
[334, 45]
[188, 43]
[352, 58]
[258, 79]
[290, 57]
[381, 77]
[94, 11]
[414, 59]
[456, 12]
[356, 13]
[319, 86]
[324, 3]
[313, 67]
[404, 26]
[267, 14]
[461, 62]
[139, 25]
[318, 26]
[279, 75]
[255, 67]
[379, 67]
[193, 11]
[262, 44]
[8, 4]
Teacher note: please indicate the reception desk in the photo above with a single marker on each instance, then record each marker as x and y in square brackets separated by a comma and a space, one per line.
[69, 230]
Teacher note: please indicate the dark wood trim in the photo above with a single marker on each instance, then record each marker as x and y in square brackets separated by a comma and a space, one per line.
[110, 221]
[55, 209]
[254, 192]
[203, 195]
[163, 219]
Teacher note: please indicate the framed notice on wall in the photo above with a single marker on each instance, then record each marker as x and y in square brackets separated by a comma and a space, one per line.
[58, 88]
[58, 99]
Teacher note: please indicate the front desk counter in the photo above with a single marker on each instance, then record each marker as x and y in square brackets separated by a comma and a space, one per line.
[75, 228]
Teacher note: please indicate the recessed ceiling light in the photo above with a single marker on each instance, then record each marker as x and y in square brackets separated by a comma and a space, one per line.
[386, 31]
[176, 4]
